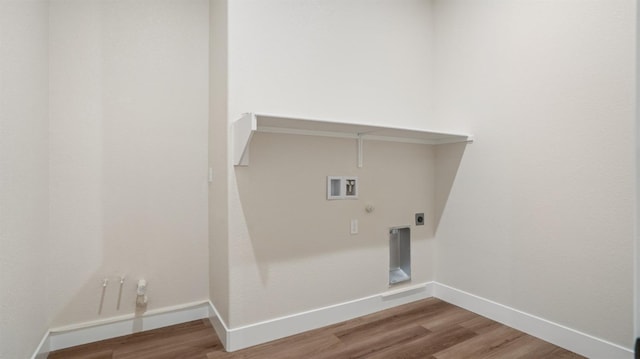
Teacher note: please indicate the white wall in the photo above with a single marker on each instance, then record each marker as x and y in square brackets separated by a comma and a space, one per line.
[218, 160]
[129, 113]
[545, 195]
[23, 176]
[76, 114]
[637, 208]
[540, 217]
[356, 61]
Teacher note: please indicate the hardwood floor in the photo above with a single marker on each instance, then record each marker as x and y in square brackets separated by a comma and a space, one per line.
[188, 340]
[430, 329]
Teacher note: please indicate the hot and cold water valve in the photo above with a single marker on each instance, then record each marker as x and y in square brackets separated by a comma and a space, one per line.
[342, 187]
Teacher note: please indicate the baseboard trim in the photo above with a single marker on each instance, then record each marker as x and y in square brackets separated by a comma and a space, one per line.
[250, 335]
[232, 339]
[562, 336]
[246, 336]
[69, 336]
[218, 325]
[42, 351]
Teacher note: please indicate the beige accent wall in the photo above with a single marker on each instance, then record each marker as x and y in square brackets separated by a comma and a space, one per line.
[23, 176]
[300, 253]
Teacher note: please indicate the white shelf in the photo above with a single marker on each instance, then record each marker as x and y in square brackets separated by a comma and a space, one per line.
[244, 128]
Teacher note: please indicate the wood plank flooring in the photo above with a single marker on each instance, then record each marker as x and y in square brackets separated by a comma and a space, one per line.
[430, 329]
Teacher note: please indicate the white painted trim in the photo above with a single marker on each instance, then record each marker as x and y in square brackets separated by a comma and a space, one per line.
[360, 136]
[409, 140]
[355, 136]
[365, 127]
[43, 349]
[218, 325]
[360, 151]
[241, 133]
[636, 206]
[295, 131]
[262, 332]
[403, 289]
[258, 333]
[69, 336]
[562, 336]
[243, 128]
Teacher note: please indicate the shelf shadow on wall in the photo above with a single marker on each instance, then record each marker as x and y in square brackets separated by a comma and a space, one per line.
[447, 163]
[284, 204]
[289, 219]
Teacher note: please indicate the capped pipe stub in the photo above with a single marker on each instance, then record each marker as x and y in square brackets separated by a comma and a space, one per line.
[142, 287]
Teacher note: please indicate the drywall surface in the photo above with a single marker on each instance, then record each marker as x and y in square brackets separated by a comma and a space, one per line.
[23, 176]
[76, 115]
[129, 114]
[218, 161]
[302, 253]
[353, 61]
[637, 202]
[357, 61]
[540, 217]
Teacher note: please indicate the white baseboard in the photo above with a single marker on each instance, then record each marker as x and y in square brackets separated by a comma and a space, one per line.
[42, 351]
[250, 335]
[578, 342]
[218, 325]
[65, 337]
[258, 333]
[232, 339]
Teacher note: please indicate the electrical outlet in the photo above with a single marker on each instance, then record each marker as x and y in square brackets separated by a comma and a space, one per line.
[354, 226]
[419, 219]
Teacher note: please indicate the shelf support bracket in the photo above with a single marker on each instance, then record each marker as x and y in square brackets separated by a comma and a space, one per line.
[359, 150]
